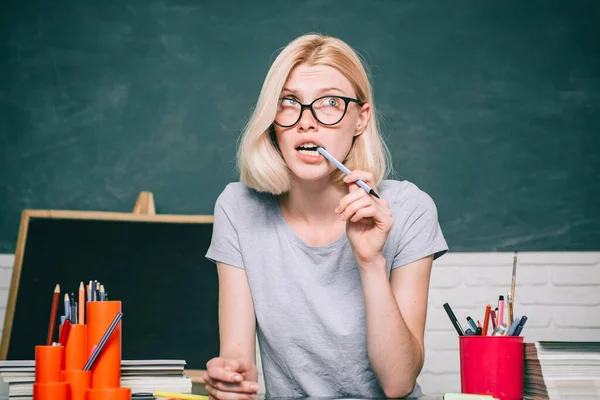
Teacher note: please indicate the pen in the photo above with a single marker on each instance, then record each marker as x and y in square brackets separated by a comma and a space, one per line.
[345, 170]
[493, 316]
[453, 319]
[519, 327]
[478, 331]
[500, 310]
[472, 323]
[513, 327]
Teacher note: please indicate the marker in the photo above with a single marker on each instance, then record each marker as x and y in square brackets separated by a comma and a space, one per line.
[346, 171]
[478, 331]
[469, 332]
[513, 327]
[472, 323]
[519, 327]
[453, 319]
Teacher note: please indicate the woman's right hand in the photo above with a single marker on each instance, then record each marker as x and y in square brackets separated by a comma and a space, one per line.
[231, 379]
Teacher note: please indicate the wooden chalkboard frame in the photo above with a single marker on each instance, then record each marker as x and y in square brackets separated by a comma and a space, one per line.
[144, 211]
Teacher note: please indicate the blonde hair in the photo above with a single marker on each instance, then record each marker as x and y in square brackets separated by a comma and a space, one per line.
[259, 160]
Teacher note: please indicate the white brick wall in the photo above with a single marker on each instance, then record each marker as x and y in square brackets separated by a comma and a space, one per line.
[559, 292]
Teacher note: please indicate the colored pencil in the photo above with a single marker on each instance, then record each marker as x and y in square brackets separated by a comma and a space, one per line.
[53, 311]
[486, 320]
[81, 304]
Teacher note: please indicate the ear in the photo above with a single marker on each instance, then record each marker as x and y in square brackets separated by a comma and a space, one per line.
[363, 119]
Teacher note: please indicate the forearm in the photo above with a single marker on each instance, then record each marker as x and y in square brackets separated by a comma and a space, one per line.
[394, 352]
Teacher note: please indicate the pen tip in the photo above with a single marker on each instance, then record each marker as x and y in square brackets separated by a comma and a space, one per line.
[80, 285]
[66, 296]
[57, 288]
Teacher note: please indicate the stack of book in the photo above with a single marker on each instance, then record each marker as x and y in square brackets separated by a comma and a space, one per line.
[561, 370]
[143, 377]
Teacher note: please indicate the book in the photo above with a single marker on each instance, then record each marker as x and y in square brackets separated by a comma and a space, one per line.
[143, 377]
[559, 370]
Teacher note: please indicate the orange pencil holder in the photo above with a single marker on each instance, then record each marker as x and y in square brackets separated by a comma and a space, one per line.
[51, 391]
[106, 371]
[109, 394]
[79, 382]
[76, 353]
[49, 363]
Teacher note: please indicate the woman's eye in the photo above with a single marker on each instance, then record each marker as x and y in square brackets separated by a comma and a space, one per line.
[289, 101]
[331, 101]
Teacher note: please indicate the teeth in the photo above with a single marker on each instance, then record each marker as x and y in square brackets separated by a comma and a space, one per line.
[309, 145]
[309, 152]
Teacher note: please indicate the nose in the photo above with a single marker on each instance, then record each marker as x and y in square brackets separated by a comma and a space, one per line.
[307, 121]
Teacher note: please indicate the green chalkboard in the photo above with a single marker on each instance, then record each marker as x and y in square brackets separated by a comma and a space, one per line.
[493, 108]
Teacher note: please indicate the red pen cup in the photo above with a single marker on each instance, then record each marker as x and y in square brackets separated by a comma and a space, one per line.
[79, 382]
[51, 391]
[109, 394]
[106, 372]
[76, 348]
[492, 365]
[49, 363]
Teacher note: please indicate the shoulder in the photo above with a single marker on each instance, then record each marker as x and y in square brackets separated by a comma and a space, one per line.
[238, 196]
[405, 195]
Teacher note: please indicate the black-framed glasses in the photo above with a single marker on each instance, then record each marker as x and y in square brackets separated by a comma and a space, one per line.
[328, 110]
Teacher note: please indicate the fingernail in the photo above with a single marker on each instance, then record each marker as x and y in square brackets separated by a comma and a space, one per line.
[254, 388]
[342, 217]
[237, 378]
[337, 209]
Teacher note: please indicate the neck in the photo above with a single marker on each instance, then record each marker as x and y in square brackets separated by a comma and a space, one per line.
[313, 202]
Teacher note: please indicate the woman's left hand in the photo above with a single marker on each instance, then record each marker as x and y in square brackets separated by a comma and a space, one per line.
[368, 219]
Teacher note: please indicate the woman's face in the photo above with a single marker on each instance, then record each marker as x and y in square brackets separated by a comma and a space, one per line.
[298, 142]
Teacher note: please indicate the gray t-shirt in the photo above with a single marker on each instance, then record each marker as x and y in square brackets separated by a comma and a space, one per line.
[308, 300]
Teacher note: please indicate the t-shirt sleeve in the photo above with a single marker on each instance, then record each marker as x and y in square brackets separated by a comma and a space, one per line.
[421, 234]
[225, 245]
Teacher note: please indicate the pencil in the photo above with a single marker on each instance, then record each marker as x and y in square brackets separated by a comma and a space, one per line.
[53, 311]
[486, 319]
[514, 279]
[180, 396]
[81, 303]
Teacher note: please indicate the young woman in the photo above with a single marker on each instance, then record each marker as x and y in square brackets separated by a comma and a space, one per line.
[332, 279]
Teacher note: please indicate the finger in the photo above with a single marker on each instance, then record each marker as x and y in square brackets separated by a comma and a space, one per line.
[362, 202]
[221, 374]
[223, 395]
[357, 174]
[216, 362]
[351, 197]
[240, 365]
[242, 387]
[363, 213]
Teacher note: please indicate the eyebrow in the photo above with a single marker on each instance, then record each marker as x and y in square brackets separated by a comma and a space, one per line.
[320, 91]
